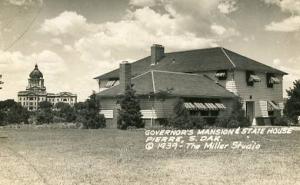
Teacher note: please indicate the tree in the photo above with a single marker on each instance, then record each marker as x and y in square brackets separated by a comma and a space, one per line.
[238, 115]
[65, 111]
[88, 113]
[12, 112]
[17, 114]
[181, 118]
[130, 112]
[44, 113]
[292, 106]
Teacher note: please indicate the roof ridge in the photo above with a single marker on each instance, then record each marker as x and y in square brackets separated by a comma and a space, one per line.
[254, 60]
[174, 72]
[153, 81]
[194, 50]
[229, 59]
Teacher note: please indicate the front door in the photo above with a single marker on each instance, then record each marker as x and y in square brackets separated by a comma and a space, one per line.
[250, 114]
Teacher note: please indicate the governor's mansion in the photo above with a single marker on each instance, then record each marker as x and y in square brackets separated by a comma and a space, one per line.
[36, 92]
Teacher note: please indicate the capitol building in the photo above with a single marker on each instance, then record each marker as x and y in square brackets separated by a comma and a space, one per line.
[36, 92]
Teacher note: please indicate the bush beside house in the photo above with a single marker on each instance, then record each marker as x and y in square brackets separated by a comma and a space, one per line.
[182, 119]
[130, 112]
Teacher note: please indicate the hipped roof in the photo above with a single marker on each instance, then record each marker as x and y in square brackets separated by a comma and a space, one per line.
[208, 59]
[179, 84]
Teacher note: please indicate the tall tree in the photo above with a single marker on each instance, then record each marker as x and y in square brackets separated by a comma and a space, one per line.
[130, 112]
[292, 106]
[88, 113]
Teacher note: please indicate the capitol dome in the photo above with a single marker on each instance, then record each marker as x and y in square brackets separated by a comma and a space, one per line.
[36, 73]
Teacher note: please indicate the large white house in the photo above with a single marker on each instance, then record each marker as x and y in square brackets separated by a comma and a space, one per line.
[36, 92]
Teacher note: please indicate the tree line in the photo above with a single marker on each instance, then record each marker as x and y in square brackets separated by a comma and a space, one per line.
[129, 115]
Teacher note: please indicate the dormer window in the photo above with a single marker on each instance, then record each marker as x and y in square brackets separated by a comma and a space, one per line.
[251, 78]
[271, 80]
[221, 75]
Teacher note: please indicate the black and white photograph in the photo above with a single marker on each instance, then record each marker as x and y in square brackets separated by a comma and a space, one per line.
[122, 92]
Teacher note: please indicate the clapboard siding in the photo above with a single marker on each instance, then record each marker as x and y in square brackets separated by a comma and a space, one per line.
[260, 93]
[161, 108]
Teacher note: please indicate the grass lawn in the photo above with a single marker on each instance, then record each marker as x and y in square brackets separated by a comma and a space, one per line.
[73, 156]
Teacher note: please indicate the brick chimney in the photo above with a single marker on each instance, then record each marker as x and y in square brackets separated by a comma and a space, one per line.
[125, 75]
[157, 53]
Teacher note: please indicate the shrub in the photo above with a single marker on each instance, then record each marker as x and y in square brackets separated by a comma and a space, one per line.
[222, 122]
[181, 117]
[292, 106]
[238, 115]
[233, 124]
[130, 112]
[281, 121]
[88, 113]
[198, 122]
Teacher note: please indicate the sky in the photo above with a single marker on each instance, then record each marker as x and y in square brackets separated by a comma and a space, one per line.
[74, 41]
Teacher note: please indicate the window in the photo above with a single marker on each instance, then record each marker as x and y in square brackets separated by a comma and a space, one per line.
[251, 78]
[214, 113]
[111, 83]
[271, 79]
[204, 113]
[270, 113]
[221, 74]
[248, 73]
[31, 98]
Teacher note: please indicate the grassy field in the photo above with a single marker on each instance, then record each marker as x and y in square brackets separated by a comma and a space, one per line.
[73, 156]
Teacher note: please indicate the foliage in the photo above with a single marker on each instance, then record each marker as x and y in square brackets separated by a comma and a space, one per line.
[12, 112]
[129, 114]
[181, 118]
[198, 122]
[44, 114]
[292, 106]
[88, 113]
[237, 117]
[222, 121]
[65, 112]
[44, 105]
[281, 121]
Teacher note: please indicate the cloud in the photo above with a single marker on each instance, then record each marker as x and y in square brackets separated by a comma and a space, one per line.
[143, 3]
[25, 2]
[227, 6]
[56, 41]
[67, 22]
[218, 29]
[223, 32]
[290, 24]
[292, 6]
[100, 47]
[68, 48]
[16, 67]
[143, 28]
